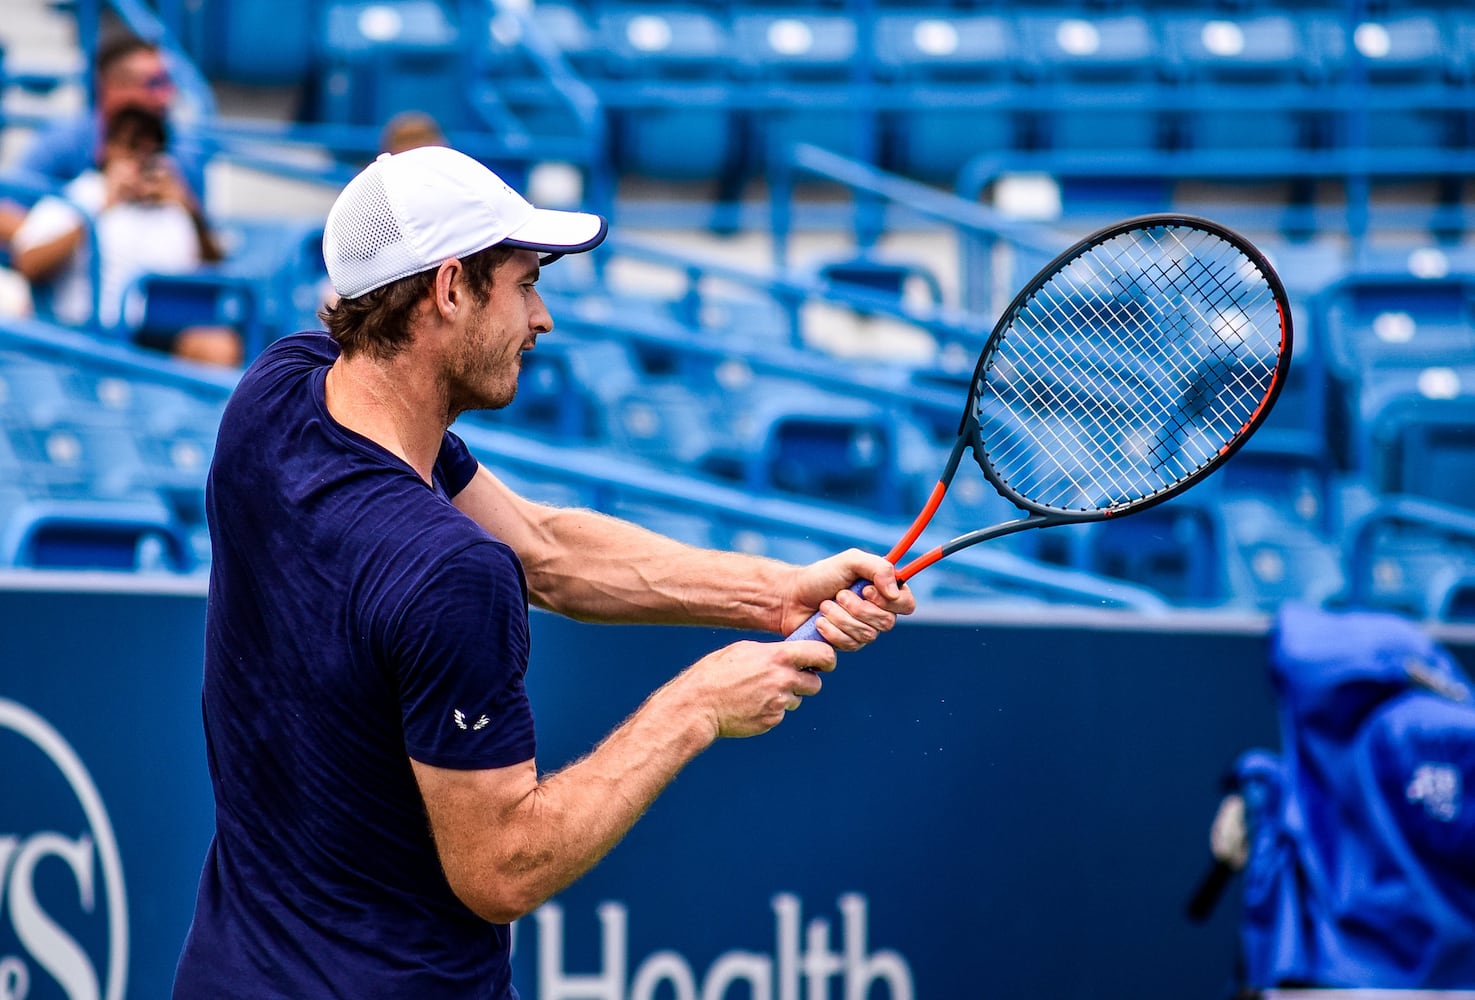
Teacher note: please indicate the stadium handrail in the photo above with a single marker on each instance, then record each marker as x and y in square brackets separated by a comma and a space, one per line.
[47, 339]
[979, 227]
[792, 289]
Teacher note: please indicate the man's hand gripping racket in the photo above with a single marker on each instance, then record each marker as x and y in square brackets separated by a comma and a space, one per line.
[1132, 366]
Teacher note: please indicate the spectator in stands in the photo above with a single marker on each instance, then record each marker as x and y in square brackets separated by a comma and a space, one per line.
[138, 215]
[410, 130]
[380, 814]
[127, 72]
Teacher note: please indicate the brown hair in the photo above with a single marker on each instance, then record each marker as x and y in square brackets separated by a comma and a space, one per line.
[378, 321]
[117, 48]
[133, 126]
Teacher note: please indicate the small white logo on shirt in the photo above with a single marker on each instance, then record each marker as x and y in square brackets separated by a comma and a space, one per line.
[1437, 787]
[460, 719]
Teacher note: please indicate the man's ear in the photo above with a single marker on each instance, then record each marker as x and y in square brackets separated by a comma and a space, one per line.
[449, 288]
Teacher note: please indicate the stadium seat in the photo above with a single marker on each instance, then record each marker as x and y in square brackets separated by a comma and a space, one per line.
[1261, 47]
[943, 45]
[1248, 74]
[792, 439]
[1107, 48]
[386, 56]
[666, 423]
[1406, 555]
[1426, 448]
[1404, 60]
[1378, 321]
[136, 536]
[33, 393]
[252, 42]
[1177, 549]
[1276, 556]
[1406, 47]
[163, 304]
[946, 83]
[670, 42]
[805, 82]
[1455, 600]
[687, 132]
[887, 277]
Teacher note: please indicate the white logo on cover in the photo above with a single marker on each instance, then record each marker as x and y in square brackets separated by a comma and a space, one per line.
[1437, 787]
[45, 942]
[460, 719]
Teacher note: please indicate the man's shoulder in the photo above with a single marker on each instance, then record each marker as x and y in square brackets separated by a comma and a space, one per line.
[295, 352]
[62, 148]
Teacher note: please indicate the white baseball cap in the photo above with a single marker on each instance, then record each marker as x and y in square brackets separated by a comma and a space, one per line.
[412, 211]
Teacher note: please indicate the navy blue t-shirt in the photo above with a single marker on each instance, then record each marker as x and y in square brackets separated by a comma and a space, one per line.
[356, 619]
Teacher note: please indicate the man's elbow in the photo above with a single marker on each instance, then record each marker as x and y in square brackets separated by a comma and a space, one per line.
[498, 899]
[32, 265]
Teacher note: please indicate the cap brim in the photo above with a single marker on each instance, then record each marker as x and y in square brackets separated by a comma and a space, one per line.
[554, 232]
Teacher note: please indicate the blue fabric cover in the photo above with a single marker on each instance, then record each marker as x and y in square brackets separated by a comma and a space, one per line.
[1362, 859]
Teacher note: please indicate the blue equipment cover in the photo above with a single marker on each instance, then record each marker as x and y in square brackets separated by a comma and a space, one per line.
[1361, 868]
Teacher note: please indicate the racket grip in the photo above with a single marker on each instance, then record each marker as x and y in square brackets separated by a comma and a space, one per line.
[810, 629]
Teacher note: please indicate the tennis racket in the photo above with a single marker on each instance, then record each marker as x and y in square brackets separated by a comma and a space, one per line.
[1128, 369]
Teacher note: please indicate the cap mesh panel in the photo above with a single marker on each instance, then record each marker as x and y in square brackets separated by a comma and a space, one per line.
[365, 247]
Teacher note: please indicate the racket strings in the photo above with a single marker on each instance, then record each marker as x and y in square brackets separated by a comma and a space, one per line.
[1129, 370]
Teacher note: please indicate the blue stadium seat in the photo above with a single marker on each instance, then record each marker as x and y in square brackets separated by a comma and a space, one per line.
[136, 536]
[1259, 47]
[1407, 50]
[163, 304]
[1405, 47]
[1090, 73]
[888, 277]
[794, 44]
[1426, 448]
[1177, 549]
[1250, 74]
[648, 51]
[664, 422]
[252, 42]
[1109, 48]
[32, 392]
[944, 45]
[1406, 556]
[1377, 321]
[387, 56]
[1276, 556]
[950, 74]
[668, 42]
[805, 80]
[790, 438]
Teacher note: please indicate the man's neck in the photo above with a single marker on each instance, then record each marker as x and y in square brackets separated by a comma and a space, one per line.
[391, 404]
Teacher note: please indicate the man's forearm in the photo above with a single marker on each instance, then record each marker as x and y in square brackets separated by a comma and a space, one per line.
[593, 567]
[603, 569]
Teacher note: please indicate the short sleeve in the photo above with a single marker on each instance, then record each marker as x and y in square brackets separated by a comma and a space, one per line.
[455, 466]
[49, 219]
[460, 653]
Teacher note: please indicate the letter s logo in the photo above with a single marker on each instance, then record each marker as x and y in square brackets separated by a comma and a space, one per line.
[48, 944]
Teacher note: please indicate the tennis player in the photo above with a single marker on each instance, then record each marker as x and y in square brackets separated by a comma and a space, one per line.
[380, 816]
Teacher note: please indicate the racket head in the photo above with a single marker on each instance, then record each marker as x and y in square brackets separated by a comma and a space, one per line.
[1128, 369]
